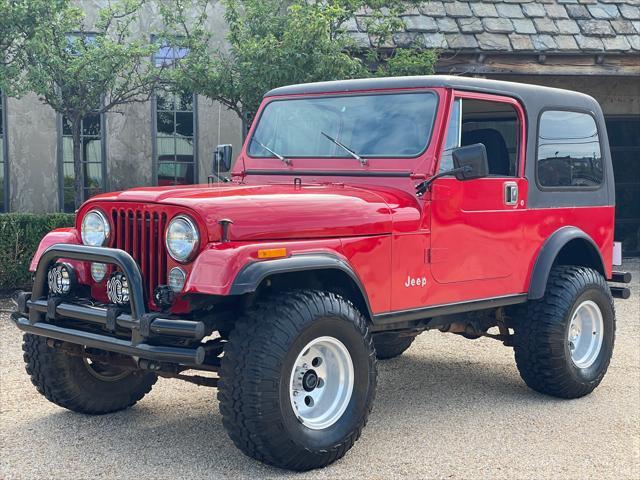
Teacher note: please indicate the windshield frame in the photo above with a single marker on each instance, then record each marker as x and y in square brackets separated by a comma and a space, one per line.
[269, 100]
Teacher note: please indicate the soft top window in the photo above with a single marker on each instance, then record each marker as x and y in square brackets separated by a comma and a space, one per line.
[376, 125]
[493, 123]
[569, 152]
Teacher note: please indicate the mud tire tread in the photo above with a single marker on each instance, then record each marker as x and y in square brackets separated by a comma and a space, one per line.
[540, 333]
[391, 345]
[253, 357]
[55, 376]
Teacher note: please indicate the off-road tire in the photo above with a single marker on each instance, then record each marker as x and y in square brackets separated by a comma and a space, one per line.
[541, 334]
[391, 345]
[254, 378]
[66, 381]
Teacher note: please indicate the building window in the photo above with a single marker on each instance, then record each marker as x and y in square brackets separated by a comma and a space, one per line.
[92, 145]
[4, 180]
[568, 150]
[174, 128]
[92, 155]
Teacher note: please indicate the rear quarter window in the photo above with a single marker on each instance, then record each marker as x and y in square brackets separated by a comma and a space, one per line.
[569, 153]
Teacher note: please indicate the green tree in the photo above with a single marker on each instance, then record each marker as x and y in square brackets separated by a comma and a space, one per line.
[278, 42]
[9, 20]
[79, 69]
[18, 22]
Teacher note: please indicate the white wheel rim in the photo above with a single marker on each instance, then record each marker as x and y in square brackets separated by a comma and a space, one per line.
[585, 335]
[321, 383]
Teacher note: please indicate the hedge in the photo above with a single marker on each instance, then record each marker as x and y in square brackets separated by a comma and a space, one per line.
[20, 234]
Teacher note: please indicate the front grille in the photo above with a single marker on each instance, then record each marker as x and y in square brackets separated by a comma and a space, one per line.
[141, 234]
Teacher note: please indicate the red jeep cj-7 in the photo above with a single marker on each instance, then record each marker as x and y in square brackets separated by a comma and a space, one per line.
[359, 214]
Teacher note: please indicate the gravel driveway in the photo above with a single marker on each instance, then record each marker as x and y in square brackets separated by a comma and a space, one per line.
[448, 408]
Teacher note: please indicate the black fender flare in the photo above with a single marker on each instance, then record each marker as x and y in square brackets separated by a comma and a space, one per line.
[252, 274]
[548, 254]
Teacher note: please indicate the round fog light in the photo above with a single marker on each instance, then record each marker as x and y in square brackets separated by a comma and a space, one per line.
[61, 278]
[177, 278]
[98, 271]
[118, 289]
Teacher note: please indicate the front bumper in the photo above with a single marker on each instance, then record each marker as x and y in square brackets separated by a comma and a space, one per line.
[137, 333]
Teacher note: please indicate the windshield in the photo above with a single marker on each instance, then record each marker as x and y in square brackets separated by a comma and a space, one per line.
[383, 125]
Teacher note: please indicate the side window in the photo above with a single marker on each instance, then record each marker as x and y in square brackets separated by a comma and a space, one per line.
[453, 136]
[568, 150]
[494, 124]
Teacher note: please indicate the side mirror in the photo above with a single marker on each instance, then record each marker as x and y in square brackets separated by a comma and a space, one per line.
[470, 162]
[222, 157]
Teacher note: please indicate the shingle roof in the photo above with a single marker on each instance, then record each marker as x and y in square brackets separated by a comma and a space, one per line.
[514, 26]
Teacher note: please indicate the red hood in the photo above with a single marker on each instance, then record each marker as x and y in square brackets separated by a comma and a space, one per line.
[269, 212]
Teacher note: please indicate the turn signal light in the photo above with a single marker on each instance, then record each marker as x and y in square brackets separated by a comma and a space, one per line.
[272, 253]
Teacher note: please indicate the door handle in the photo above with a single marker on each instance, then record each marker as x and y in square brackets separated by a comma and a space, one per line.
[510, 193]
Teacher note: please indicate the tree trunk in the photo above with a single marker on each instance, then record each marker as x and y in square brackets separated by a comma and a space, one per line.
[247, 120]
[78, 168]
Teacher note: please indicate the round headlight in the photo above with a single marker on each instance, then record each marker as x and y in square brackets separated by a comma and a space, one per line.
[95, 229]
[182, 238]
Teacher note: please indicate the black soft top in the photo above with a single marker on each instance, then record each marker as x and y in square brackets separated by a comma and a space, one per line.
[530, 95]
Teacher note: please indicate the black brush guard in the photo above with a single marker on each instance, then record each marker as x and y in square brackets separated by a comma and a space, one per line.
[38, 313]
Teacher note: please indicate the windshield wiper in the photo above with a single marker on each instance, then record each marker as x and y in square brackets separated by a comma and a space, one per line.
[363, 161]
[277, 155]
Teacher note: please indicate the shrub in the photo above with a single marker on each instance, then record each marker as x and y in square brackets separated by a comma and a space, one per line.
[20, 234]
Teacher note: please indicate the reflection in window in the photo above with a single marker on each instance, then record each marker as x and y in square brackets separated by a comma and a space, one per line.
[568, 150]
[395, 125]
[167, 55]
[77, 42]
[3, 160]
[91, 155]
[174, 128]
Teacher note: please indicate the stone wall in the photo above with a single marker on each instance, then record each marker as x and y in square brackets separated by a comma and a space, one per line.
[32, 143]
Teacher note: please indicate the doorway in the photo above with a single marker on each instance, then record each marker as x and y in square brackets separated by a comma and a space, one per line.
[624, 140]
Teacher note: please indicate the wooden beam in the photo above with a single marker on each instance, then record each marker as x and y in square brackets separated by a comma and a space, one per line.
[529, 64]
